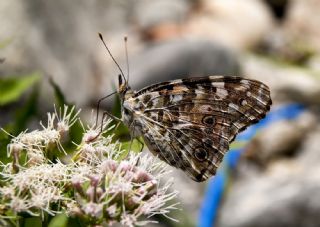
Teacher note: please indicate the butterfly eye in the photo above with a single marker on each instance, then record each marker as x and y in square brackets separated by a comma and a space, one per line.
[208, 120]
[200, 153]
[120, 80]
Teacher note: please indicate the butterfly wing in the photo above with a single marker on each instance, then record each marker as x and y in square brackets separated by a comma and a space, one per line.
[189, 123]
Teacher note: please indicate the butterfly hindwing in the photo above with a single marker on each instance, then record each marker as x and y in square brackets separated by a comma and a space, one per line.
[189, 123]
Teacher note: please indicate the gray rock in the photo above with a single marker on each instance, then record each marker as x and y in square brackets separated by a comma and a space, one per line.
[287, 82]
[280, 140]
[305, 30]
[286, 192]
[181, 58]
[236, 24]
[58, 39]
[151, 13]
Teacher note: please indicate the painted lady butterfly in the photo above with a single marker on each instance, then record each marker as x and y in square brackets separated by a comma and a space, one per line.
[189, 123]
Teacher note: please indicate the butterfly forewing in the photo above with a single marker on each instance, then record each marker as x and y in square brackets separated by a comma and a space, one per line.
[189, 123]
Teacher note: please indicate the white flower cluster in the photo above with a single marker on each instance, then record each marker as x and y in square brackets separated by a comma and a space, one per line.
[99, 184]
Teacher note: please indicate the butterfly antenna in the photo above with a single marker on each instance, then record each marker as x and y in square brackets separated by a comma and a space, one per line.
[127, 58]
[114, 60]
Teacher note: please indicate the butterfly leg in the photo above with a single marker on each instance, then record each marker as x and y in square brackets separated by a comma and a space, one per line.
[106, 113]
[98, 105]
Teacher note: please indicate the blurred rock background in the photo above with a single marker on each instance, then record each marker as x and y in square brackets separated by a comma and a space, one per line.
[275, 41]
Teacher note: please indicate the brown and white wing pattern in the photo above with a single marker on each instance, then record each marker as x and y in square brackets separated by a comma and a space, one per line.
[189, 123]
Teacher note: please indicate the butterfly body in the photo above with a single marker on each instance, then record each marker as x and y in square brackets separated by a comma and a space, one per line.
[189, 123]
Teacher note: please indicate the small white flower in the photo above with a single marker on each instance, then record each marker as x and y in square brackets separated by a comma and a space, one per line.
[128, 219]
[93, 209]
[66, 118]
[90, 136]
[100, 181]
[19, 204]
[112, 211]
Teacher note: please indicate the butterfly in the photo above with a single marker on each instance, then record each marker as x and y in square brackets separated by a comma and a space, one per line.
[189, 123]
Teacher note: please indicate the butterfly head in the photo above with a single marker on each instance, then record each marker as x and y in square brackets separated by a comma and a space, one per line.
[124, 88]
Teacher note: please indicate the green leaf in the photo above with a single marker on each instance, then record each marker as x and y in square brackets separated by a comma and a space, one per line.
[136, 146]
[11, 88]
[75, 134]
[59, 96]
[26, 112]
[4, 141]
[76, 130]
[76, 222]
[60, 220]
[116, 109]
[31, 222]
